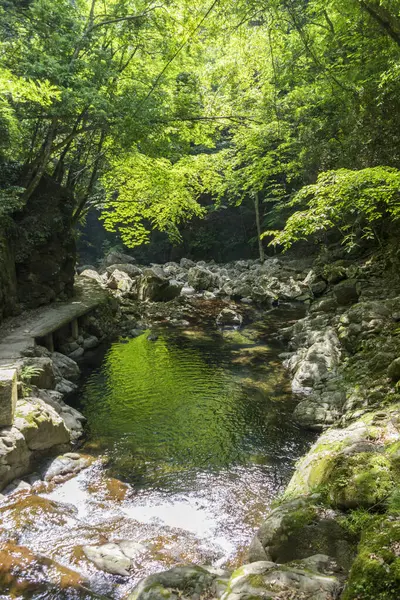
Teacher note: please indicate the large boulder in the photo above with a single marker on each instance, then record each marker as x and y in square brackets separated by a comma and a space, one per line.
[65, 367]
[119, 280]
[128, 268]
[320, 410]
[114, 258]
[92, 274]
[313, 578]
[201, 278]
[155, 287]
[354, 466]
[40, 424]
[300, 528]
[180, 583]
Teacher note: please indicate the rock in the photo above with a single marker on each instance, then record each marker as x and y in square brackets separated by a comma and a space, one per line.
[185, 263]
[65, 387]
[92, 274]
[72, 418]
[8, 396]
[154, 287]
[130, 269]
[16, 486]
[320, 410]
[346, 292]
[109, 558]
[65, 367]
[202, 279]
[310, 579]
[39, 372]
[227, 316]
[353, 471]
[120, 281]
[188, 291]
[181, 582]
[115, 257]
[24, 573]
[394, 370]
[300, 528]
[90, 342]
[14, 455]
[77, 354]
[64, 465]
[40, 424]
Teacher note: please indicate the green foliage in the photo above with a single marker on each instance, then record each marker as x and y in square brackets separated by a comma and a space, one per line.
[27, 373]
[352, 201]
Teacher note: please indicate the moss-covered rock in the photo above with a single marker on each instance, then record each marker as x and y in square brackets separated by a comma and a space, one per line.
[310, 579]
[375, 573]
[300, 528]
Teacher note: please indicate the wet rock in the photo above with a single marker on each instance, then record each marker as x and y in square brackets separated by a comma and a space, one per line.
[311, 579]
[18, 485]
[300, 528]
[109, 558]
[228, 316]
[26, 574]
[65, 465]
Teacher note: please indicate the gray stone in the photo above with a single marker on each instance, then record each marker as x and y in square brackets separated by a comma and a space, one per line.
[76, 354]
[65, 367]
[8, 396]
[186, 263]
[40, 424]
[188, 291]
[67, 464]
[40, 372]
[346, 292]
[130, 269]
[109, 558]
[14, 455]
[201, 278]
[90, 342]
[114, 257]
[120, 281]
[92, 274]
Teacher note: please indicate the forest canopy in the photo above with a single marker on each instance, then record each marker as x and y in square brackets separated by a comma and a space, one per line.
[156, 112]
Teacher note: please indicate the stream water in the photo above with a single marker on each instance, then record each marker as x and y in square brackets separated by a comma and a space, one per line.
[191, 439]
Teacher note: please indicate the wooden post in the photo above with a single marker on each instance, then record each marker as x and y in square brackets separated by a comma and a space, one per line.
[75, 329]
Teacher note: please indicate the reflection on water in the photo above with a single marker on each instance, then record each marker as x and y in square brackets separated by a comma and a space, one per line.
[193, 439]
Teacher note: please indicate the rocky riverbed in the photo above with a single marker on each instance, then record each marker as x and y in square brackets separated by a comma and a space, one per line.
[335, 531]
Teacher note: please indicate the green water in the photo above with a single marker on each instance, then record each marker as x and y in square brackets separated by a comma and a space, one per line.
[198, 401]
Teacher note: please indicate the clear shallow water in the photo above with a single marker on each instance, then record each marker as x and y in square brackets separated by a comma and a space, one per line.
[192, 439]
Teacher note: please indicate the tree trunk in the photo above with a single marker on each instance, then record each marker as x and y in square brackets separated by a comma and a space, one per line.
[257, 211]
